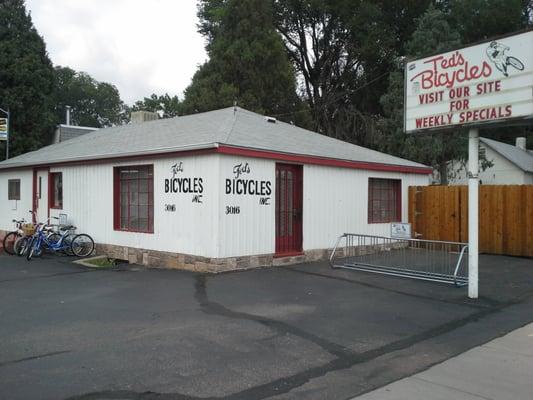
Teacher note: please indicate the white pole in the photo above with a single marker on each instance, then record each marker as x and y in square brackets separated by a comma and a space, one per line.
[473, 210]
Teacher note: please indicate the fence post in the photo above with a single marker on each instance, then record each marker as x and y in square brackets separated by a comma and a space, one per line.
[473, 210]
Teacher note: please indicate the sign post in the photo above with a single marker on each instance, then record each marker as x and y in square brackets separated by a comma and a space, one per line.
[473, 212]
[486, 84]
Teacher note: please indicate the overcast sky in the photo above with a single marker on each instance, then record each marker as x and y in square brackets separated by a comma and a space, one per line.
[141, 46]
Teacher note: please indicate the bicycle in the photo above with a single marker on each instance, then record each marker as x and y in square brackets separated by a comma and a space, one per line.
[80, 245]
[22, 229]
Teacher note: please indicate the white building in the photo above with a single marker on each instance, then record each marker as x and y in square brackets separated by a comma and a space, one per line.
[511, 165]
[214, 191]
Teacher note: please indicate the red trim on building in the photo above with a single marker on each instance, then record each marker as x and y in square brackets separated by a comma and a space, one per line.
[247, 152]
[330, 162]
[117, 200]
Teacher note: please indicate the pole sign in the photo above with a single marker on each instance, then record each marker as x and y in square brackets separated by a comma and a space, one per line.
[3, 128]
[487, 83]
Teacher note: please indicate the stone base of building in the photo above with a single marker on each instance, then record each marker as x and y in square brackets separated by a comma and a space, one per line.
[161, 259]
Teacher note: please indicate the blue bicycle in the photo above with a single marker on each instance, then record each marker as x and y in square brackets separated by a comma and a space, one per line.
[46, 238]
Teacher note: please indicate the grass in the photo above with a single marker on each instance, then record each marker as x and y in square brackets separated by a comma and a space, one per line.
[102, 262]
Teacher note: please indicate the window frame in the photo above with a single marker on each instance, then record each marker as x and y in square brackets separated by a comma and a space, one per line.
[51, 191]
[10, 194]
[117, 198]
[393, 204]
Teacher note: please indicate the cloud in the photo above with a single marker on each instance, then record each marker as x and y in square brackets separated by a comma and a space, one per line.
[140, 46]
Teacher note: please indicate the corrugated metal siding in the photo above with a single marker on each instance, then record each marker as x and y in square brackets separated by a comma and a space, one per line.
[336, 201]
[191, 229]
[15, 209]
[252, 231]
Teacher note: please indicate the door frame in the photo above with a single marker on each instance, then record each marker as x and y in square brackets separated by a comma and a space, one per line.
[294, 246]
[35, 200]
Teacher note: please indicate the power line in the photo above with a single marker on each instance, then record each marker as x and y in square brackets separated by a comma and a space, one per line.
[355, 91]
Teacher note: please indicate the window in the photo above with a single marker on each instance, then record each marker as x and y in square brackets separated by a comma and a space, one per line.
[384, 200]
[40, 188]
[134, 198]
[13, 189]
[56, 190]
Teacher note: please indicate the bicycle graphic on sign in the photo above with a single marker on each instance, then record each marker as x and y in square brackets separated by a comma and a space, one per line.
[496, 53]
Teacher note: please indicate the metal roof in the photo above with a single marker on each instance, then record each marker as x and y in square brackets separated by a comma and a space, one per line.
[523, 159]
[231, 126]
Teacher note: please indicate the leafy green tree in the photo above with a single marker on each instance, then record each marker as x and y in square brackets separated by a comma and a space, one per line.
[93, 103]
[433, 35]
[26, 79]
[165, 105]
[247, 61]
[343, 52]
[478, 20]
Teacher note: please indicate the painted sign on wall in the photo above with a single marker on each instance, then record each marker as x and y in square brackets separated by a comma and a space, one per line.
[242, 183]
[181, 184]
[486, 83]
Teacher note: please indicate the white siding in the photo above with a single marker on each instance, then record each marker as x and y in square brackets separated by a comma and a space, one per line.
[15, 209]
[503, 172]
[252, 231]
[336, 202]
[191, 229]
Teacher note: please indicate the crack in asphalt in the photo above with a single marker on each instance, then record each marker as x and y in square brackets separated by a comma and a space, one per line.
[344, 358]
[54, 353]
[210, 307]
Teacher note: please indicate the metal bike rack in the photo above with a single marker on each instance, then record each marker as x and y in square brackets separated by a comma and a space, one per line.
[428, 260]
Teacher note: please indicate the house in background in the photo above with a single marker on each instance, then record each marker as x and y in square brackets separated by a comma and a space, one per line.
[511, 165]
[67, 131]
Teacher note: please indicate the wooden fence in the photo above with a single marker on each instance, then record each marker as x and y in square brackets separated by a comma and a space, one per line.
[505, 216]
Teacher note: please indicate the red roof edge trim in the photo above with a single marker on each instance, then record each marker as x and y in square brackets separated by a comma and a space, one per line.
[330, 162]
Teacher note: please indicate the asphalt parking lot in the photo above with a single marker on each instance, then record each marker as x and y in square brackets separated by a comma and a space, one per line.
[301, 332]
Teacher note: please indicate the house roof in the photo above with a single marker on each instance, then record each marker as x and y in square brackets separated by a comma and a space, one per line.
[523, 159]
[67, 132]
[228, 127]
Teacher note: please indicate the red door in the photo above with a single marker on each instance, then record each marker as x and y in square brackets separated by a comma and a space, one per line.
[288, 209]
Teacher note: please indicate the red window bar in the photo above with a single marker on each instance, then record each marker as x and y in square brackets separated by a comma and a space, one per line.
[134, 198]
[384, 200]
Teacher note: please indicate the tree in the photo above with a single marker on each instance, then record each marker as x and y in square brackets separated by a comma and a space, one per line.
[343, 52]
[26, 79]
[433, 35]
[247, 61]
[93, 103]
[478, 20]
[165, 105]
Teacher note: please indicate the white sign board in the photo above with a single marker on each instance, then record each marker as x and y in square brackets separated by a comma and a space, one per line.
[400, 230]
[486, 83]
[3, 128]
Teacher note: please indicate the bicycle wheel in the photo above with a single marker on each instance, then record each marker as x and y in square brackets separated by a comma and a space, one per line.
[31, 248]
[515, 62]
[9, 242]
[35, 248]
[82, 245]
[21, 246]
[67, 242]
